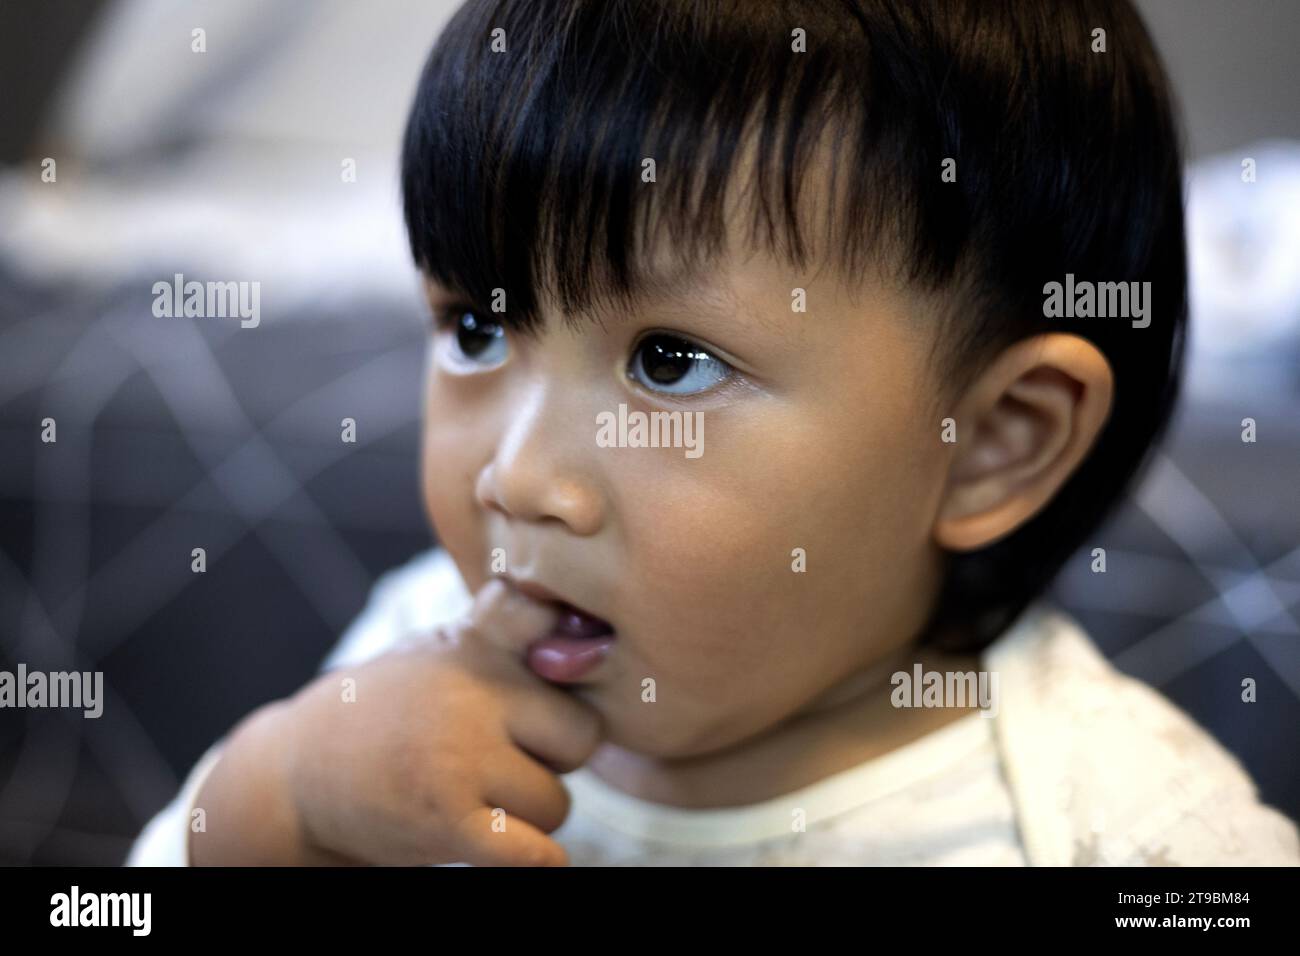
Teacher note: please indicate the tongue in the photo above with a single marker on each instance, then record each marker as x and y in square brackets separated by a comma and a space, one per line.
[575, 624]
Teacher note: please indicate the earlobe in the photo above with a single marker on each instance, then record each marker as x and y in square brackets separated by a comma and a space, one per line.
[1024, 426]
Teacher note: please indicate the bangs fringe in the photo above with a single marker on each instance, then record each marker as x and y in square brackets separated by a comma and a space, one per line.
[522, 169]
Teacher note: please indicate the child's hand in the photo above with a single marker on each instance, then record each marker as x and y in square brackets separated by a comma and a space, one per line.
[443, 734]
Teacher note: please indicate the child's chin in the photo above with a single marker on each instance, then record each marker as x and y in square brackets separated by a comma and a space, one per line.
[631, 730]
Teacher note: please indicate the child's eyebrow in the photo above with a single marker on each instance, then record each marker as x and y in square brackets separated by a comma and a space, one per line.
[435, 288]
[673, 283]
[693, 285]
[689, 285]
[685, 286]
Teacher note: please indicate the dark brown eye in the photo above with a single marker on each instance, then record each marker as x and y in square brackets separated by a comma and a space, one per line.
[669, 364]
[479, 340]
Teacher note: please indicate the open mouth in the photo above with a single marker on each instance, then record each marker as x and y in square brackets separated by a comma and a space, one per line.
[577, 623]
[574, 648]
[573, 622]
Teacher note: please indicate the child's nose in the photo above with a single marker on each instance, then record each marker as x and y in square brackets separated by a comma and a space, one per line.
[542, 471]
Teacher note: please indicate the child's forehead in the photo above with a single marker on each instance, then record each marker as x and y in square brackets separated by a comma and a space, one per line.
[660, 281]
[675, 289]
[745, 286]
[659, 276]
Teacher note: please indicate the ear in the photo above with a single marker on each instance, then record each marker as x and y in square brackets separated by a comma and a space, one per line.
[1023, 427]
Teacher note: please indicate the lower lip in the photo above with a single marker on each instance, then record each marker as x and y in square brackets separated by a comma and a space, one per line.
[564, 657]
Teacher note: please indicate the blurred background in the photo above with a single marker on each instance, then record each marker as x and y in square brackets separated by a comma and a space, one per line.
[174, 435]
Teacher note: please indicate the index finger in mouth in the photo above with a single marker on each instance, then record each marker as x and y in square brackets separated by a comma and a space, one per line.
[509, 619]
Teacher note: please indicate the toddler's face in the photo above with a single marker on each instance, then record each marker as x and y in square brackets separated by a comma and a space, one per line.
[820, 433]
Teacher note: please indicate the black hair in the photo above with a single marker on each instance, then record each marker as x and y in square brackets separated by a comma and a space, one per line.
[522, 170]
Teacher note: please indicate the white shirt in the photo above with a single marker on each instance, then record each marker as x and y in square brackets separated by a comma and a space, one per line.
[1080, 765]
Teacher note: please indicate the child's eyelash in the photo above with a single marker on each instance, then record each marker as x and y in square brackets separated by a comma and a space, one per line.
[447, 316]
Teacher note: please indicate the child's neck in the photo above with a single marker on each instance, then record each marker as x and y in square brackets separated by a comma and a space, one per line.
[852, 723]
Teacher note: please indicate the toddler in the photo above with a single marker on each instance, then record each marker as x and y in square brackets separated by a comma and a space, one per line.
[833, 236]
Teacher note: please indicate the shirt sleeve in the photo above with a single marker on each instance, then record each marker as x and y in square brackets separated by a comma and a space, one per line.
[415, 596]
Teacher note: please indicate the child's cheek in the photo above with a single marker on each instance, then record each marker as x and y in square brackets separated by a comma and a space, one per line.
[710, 559]
[448, 476]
